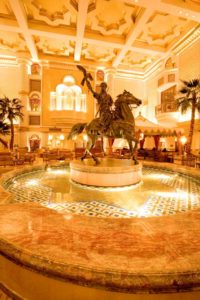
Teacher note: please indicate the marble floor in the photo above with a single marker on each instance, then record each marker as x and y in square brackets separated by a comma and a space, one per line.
[161, 192]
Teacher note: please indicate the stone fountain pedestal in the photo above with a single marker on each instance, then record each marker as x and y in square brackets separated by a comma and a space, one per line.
[109, 173]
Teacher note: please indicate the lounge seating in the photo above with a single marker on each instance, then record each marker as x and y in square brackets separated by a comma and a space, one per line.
[57, 154]
[197, 162]
[22, 156]
[157, 155]
[7, 158]
[189, 160]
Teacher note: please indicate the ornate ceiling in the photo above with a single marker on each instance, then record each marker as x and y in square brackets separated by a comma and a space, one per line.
[132, 35]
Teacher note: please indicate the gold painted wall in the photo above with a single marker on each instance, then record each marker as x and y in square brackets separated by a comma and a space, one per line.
[9, 81]
[51, 77]
[189, 63]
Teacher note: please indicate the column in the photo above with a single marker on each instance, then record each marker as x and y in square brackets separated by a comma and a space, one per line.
[24, 87]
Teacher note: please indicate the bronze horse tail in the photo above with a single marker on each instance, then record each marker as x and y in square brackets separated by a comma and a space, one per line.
[76, 129]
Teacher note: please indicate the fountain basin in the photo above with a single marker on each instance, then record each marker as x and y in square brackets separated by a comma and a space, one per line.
[109, 173]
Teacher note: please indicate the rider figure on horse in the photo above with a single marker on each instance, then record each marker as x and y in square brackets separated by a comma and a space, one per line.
[105, 103]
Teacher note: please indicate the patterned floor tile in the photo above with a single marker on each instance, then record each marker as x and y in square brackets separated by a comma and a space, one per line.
[173, 192]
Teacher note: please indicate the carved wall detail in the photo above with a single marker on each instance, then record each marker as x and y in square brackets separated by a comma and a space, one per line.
[171, 77]
[170, 64]
[168, 102]
[35, 85]
[161, 81]
[35, 101]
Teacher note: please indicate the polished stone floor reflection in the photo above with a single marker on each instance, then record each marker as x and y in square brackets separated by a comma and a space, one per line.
[161, 192]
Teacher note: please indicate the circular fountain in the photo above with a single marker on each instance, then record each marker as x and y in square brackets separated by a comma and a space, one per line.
[75, 255]
[109, 173]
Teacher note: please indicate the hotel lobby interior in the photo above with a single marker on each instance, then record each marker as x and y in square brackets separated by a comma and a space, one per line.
[117, 224]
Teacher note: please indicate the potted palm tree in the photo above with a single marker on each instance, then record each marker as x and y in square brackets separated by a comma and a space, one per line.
[190, 99]
[10, 110]
[4, 130]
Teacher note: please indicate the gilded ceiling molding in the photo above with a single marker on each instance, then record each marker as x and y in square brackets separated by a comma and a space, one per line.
[12, 41]
[93, 52]
[162, 29]
[196, 2]
[138, 60]
[187, 42]
[56, 47]
[8, 62]
[66, 13]
[5, 8]
[111, 17]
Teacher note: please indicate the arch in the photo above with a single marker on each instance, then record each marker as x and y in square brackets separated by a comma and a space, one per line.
[68, 96]
[34, 142]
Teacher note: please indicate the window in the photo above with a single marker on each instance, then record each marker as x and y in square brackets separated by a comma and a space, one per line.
[68, 96]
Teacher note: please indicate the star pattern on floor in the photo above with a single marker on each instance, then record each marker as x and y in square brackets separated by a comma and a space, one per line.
[183, 195]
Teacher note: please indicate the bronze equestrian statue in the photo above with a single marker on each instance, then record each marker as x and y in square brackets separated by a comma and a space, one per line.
[116, 123]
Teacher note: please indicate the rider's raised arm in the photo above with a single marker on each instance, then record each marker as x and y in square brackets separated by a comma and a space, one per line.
[90, 88]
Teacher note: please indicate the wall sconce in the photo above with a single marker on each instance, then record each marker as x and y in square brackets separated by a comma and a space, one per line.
[62, 137]
[50, 137]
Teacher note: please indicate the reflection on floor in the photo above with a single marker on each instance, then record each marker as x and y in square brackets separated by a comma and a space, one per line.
[162, 192]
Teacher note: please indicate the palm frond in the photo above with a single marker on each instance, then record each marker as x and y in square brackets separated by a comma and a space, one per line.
[183, 90]
[184, 105]
[4, 128]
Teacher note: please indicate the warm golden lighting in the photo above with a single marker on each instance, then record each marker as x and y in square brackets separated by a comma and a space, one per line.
[31, 182]
[62, 137]
[68, 96]
[183, 140]
[85, 137]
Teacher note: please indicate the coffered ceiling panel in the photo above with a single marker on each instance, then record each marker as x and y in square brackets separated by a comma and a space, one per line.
[164, 29]
[112, 17]
[5, 9]
[12, 41]
[53, 47]
[138, 60]
[53, 13]
[100, 54]
[124, 34]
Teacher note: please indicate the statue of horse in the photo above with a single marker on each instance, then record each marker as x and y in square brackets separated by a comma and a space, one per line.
[122, 125]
